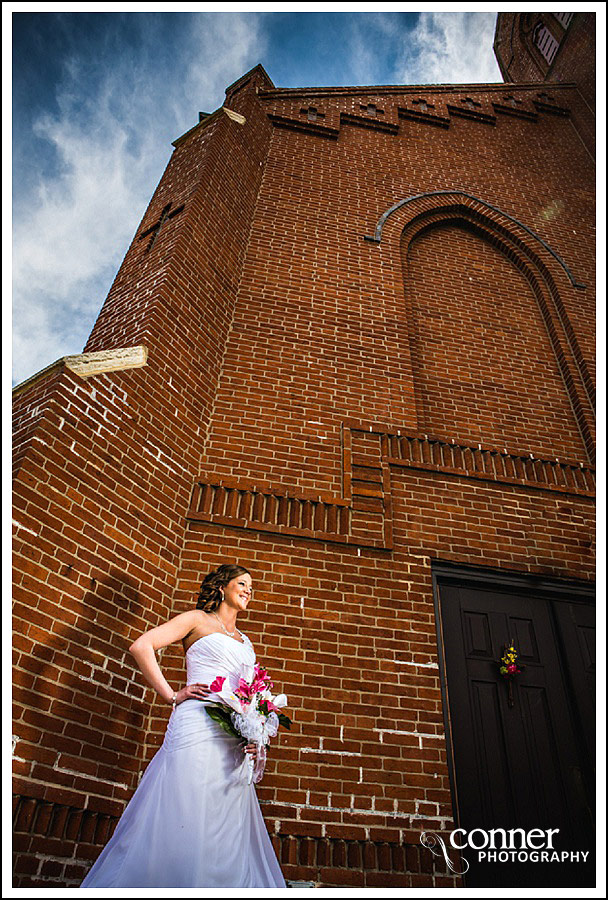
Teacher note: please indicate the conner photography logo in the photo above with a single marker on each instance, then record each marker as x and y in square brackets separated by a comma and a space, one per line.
[500, 845]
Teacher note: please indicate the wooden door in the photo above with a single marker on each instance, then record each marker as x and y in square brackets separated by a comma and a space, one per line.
[530, 764]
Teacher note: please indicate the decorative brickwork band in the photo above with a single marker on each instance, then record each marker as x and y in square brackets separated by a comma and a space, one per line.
[59, 821]
[426, 118]
[231, 502]
[367, 122]
[473, 114]
[307, 127]
[281, 115]
[241, 504]
[506, 467]
[56, 843]
[322, 863]
[517, 113]
[363, 515]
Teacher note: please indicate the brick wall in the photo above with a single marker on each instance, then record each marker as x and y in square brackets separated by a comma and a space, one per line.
[520, 59]
[336, 396]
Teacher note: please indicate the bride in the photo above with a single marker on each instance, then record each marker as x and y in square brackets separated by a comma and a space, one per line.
[194, 820]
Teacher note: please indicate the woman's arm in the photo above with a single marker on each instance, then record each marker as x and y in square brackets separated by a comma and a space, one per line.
[144, 651]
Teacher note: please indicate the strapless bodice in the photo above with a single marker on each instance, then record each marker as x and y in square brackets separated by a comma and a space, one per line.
[217, 654]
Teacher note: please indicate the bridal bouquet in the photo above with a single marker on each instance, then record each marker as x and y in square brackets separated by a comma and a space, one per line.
[247, 709]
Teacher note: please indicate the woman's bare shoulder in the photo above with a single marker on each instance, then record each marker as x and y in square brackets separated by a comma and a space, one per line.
[202, 624]
[191, 615]
[175, 629]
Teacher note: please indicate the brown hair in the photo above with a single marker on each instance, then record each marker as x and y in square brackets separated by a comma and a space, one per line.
[210, 595]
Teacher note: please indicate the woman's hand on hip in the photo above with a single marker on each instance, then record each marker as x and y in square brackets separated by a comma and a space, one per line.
[192, 692]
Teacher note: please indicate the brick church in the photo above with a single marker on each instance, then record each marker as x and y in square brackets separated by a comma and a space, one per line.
[351, 348]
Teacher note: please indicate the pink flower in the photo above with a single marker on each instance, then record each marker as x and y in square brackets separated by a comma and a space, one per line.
[217, 684]
[261, 679]
[512, 669]
[244, 689]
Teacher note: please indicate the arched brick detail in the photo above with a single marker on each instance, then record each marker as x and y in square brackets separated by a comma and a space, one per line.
[543, 269]
[377, 236]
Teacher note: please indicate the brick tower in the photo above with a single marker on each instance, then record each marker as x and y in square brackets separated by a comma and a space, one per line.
[350, 347]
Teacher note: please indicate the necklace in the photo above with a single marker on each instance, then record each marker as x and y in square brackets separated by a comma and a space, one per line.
[229, 633]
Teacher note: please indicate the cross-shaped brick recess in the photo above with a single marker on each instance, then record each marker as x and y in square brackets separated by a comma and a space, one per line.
[422, 105]
[312, 113]
[371, 109]
[512, 101]
[153, 231]
[468, 101]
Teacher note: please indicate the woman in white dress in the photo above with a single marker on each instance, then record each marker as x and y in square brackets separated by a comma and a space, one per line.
[194, 820]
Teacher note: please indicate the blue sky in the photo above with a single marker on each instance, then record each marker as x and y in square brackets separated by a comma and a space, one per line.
[98, 97]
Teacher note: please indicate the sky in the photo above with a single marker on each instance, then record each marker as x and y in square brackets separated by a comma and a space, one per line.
[98, 97]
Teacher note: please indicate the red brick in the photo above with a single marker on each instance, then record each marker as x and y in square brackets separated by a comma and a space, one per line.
[331, 877]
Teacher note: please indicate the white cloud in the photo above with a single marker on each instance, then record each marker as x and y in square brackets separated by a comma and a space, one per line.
[367, 39]
[449, 48]
[111, 146]
[363, 37]
[443, 48]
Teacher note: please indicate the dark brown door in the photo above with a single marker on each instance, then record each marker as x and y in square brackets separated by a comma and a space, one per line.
[528, 764]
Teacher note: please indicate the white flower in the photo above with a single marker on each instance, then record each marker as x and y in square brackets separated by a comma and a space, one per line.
[229, 698]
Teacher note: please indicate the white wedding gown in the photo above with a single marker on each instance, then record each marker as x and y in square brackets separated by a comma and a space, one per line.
[194, 821]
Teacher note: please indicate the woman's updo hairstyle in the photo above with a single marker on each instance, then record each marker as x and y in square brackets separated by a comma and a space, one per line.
[211, 595]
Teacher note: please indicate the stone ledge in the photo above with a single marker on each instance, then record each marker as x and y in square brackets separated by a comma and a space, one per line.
[100, 361]
[236, 117]
[87, 364]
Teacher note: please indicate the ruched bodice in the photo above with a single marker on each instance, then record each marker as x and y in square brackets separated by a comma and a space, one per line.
[217, 654]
